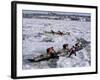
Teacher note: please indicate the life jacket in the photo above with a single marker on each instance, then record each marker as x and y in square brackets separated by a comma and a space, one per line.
[50, 51]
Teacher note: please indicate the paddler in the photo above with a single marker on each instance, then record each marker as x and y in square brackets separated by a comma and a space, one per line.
[64, 50]
[72, 51]
[51, 52]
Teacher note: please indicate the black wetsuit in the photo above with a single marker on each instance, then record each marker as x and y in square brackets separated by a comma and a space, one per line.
[72, 51]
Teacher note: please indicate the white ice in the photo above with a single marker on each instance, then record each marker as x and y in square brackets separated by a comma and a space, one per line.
[35, 41]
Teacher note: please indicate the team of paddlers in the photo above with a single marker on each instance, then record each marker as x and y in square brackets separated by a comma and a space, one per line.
[58, 32]
[68, 51]
[51, 53]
